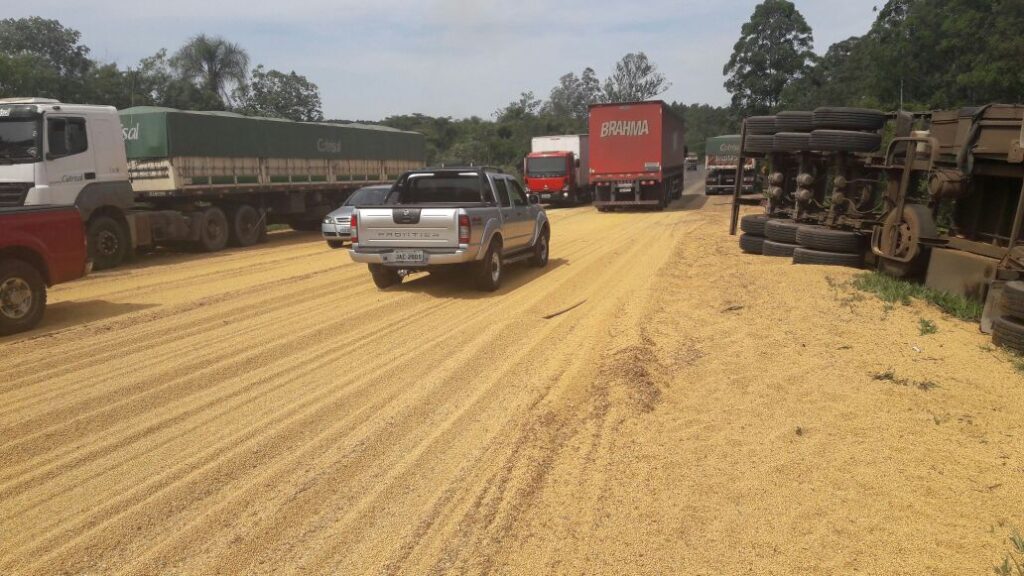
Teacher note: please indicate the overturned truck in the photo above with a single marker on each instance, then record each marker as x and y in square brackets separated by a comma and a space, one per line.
[936, 195]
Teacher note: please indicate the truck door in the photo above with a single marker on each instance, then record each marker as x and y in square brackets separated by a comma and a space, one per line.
[508, 215]
[521, 214]
[69, 160]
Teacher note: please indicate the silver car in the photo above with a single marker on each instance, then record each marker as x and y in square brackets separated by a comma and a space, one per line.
[335, 227]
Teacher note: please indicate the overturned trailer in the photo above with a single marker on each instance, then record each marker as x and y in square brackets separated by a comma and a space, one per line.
[943, 199]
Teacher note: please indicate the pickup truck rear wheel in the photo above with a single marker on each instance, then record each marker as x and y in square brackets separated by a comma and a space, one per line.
[22, 297]
[489, 270]
[540, 249]
[108, 242]
[383, 276]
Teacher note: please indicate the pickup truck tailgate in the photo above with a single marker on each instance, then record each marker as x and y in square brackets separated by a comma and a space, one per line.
[408, 227]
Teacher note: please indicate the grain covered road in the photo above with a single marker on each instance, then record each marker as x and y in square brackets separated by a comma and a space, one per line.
[653, 402]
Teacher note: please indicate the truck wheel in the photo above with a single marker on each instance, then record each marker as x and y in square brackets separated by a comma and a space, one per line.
[108, 242]
[246, 226]
[779, 230]
[822, 238]
[752, 243]
[383, 276]
[772, 248]
[808, 256]
[213, 230]
[22, 297]
[1013, 300]
[1008, 333]
[489, 270]
[540, 249]
[754, 223]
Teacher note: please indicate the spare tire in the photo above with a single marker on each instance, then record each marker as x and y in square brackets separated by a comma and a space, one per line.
[845, 141]
[791, 142]
[849, 119]
[772, 248]
[758, 144]
[794, 121]
[781, 231]
[1013, 300]
[808, 256]
[821, 238]
[754, 223]
[760, 125]
[751, 244]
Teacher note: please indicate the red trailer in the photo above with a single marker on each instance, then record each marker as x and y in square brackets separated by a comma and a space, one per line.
[637, 154]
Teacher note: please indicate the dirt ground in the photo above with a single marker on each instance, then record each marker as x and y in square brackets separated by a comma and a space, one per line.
[699, 411]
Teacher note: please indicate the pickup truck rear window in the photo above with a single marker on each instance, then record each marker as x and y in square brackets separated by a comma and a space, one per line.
[427, 189]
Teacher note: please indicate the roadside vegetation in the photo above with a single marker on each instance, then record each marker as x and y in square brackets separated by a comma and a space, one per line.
[1013, 561]
[897, 291]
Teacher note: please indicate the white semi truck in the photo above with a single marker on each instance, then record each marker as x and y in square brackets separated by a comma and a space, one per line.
[147, 176]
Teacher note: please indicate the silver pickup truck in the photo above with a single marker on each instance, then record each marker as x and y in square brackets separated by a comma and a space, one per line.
[477, 218]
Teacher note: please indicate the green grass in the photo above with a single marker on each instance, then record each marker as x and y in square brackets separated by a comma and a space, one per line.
[1013, 561]
[927, 327]
[897, 291]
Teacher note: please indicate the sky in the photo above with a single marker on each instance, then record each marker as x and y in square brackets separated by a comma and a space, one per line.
[459, 58]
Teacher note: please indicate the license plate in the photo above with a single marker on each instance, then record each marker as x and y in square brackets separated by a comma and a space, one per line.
[406, 257]
[545, 196]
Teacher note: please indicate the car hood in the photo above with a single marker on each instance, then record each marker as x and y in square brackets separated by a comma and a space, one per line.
[343, 211]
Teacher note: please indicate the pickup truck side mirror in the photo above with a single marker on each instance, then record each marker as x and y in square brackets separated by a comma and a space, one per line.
[533, 199]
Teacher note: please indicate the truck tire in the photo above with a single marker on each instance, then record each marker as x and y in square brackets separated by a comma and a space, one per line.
[108, 242]
[383, 276]
[808, 256]
[848, 119]
[213, 230]
[246, 224]
[1008, 333]
[759, 143]
[752, 243]
[772, 248]
[760, 126]
[821, 238]
[781, 231]
[791, 142]
[754, 224]
[22, 296]
[794, 121]
[845, 141]
[541, 248]
[1013, 300]
[490, 270]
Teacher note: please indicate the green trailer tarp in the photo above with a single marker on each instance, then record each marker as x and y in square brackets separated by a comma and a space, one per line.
[724, 146]
[152, 132]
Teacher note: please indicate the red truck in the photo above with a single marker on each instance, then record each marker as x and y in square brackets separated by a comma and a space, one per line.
[637, 154]
[39, 246]
[558, 169]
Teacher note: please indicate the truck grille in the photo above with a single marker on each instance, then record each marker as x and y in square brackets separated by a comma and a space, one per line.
[13, 194]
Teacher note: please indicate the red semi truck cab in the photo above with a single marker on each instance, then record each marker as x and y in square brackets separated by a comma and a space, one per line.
[557, 169]
[39, 246]
[637, 154]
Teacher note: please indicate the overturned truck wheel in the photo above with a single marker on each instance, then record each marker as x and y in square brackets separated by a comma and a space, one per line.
[1008, 333]
[752, 244]
[808, 256]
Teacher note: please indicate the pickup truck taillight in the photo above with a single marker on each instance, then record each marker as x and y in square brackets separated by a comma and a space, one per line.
[353, 227]
[464, 229]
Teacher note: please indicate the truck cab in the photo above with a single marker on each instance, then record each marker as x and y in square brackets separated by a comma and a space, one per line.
[551, 175]
[67, 155]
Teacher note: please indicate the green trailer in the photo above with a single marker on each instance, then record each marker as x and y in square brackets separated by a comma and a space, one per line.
[721, 156]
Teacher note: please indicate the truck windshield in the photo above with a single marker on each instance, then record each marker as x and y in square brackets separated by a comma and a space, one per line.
[367, 197]
[545, 167]
[19, 141]
[440, 188]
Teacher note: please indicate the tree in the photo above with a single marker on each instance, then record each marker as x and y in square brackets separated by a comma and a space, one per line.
[213, 64]
[773, 51]
[279, 95]
[635, 79]
[43, 58]
[572, 98]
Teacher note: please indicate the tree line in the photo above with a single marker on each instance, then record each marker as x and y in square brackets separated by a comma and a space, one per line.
[917, 55]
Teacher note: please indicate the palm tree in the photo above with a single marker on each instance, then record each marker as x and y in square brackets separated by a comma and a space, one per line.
[213, 64]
